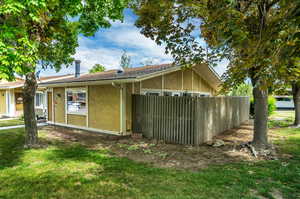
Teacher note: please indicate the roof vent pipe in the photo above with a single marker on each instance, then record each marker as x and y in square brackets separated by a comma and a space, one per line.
[77, 68]
[120, 71]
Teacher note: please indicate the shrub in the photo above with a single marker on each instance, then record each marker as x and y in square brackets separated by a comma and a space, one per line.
[21, 117]
[271, 105]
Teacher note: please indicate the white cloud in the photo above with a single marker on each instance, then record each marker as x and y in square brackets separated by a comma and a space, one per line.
[108, 57]
[131, 38]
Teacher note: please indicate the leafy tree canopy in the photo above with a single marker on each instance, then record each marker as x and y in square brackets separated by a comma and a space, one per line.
[45, 32]
[97, 68]
[248, 33]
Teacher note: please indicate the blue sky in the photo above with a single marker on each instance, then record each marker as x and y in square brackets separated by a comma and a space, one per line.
[107, 47]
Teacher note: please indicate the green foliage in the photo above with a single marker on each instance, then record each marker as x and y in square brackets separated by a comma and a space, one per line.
[21, 117]
[251, 34]
[240, 31]
[125, 60]
[97, 68]
[242, 90]
[271, 105]
[46, 32]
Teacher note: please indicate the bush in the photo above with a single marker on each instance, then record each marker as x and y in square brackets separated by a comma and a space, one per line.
[21, 117]
[271, 105]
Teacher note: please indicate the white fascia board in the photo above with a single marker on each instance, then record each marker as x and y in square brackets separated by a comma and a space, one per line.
[103, 82]
[85, 83]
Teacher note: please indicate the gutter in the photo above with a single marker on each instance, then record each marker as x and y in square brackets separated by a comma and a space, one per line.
[90, 82]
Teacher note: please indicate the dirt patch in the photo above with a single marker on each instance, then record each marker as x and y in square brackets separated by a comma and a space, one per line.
[161, 154]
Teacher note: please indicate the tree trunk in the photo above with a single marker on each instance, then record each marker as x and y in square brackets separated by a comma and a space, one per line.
[296, 98]
[31, 133]
[260, 138]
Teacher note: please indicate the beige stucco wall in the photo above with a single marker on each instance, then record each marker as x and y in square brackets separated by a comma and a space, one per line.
[185, 80]
[136, 87]
[77, 120]
[2, 102]
[154, 83]
[59, 105]
[173, 81]
[104, 107]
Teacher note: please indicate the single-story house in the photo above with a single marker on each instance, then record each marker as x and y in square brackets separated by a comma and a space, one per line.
[102, 101]
[11, 100]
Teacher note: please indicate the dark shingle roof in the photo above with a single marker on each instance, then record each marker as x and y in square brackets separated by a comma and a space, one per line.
[129, 73]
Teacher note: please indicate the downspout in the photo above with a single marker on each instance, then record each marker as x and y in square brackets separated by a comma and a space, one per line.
[122, 107]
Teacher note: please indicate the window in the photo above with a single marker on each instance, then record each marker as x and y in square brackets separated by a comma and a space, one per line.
[166, 93]
[152, 93]
[187, 94]
[176, 94]
[39, 99]
[76, 101]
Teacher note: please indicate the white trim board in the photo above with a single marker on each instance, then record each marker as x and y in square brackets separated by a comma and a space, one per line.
[85, 128]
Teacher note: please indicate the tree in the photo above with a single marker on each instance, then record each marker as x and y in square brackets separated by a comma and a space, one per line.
[242, 90]
[296, 98]
[243, 31]
[41, 32]
[125, 60]
[97, 68]
[289, 55]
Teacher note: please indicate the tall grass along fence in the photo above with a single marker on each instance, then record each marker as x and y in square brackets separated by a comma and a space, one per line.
[187, 120]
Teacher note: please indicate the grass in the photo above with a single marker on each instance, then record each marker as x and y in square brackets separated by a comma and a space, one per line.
[281, 119]
[11, 122]
[73, 171]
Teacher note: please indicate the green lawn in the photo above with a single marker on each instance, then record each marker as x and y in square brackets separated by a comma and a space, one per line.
[73, 171]
[283, 118]
[11, 122]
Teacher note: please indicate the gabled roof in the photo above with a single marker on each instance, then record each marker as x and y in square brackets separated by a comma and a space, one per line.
[128, 75]
[20, 82]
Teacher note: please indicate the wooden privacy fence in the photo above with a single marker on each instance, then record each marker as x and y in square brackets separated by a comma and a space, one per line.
[187, 120]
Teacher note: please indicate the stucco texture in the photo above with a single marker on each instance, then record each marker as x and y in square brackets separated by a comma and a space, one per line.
[104, 107]
[184, 80]
[77, 120]
[153, 83]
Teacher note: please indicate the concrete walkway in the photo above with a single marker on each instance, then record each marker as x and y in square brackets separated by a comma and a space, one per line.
[20, 126]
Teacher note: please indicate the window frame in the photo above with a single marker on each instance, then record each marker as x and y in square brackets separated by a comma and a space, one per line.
[42, 104]
[76, 90]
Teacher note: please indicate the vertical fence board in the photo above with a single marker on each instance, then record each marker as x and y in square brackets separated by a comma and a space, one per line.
[187, 120]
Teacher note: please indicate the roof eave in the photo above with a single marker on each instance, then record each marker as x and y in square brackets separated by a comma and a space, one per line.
[85, 83]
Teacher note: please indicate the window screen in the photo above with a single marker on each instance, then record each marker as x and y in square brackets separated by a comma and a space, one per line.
[76, 102]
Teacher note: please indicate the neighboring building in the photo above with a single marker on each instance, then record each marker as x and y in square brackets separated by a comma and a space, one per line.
[103, 101]
[11, 100]
[284, 102]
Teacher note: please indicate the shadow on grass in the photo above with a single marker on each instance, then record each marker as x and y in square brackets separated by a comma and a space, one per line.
[77, 172]
[11, 147]
[73, 171]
